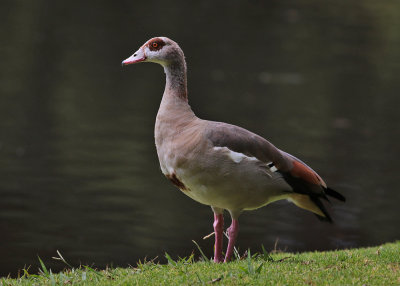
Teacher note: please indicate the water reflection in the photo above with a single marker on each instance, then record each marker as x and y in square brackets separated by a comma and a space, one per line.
[79, 168]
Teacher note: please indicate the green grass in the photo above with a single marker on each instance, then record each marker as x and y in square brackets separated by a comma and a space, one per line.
[364, 266]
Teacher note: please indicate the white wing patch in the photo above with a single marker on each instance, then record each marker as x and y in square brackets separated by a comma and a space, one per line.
[235, 156]
[272, 167]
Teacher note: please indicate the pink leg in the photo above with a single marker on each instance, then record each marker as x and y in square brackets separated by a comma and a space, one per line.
[218, 229]
[233, 231]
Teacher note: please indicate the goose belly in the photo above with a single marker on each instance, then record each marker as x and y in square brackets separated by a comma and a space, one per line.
[235, 188]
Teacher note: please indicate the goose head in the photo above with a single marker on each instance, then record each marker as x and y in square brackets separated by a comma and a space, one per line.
[159, 50]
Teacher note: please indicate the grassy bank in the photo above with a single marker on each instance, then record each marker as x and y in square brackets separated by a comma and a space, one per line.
[365, 266]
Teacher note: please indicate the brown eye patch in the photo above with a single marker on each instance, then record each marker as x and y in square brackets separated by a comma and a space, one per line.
[156, 44]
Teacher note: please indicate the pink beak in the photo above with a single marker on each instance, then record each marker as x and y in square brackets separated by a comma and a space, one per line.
[137, 57]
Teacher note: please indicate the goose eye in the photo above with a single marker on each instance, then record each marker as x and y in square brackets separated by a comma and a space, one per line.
[156, 45]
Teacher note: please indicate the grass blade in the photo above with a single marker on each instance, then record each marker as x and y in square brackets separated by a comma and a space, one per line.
[60, 257]
[170, 260]
[92, 270]
[266, 255]
[201, 251]
[249, 264]
[44, 269]
[198, 277]
[258, 270]
[53, 281]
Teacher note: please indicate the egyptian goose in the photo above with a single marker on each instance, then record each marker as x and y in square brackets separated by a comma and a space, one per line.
[222, 165]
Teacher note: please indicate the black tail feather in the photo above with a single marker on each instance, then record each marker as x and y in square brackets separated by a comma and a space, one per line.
[302, 187]
[319, 204]
[335, 194]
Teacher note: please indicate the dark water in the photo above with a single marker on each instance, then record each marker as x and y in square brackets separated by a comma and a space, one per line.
[79, 171]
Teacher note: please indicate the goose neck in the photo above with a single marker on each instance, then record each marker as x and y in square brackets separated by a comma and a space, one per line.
[176, 84]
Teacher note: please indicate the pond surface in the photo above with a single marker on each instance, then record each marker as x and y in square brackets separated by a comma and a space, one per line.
[79, 171]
